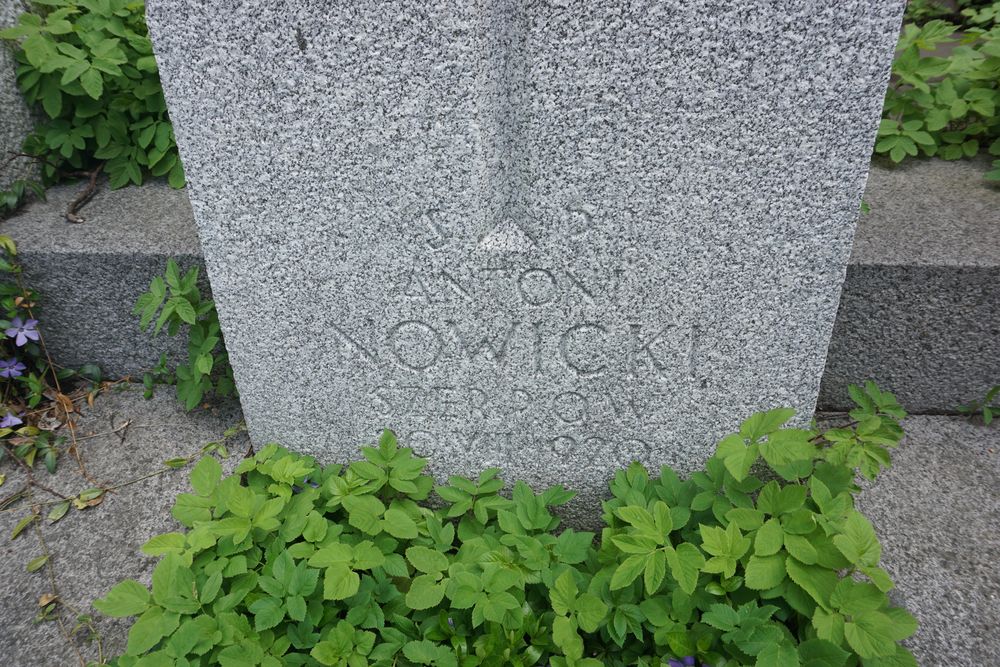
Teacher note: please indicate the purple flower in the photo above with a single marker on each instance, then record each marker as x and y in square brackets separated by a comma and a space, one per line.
[10, 421]
[686, 661]
[22, 331]
[11, 368]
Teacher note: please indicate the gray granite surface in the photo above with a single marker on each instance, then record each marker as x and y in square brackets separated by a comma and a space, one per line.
[94, 549]
[15, 118]
[920, 309]
[936, 512]
[90, 274]
[552, 236]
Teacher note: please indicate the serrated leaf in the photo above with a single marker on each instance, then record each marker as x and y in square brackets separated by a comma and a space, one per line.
[340, 582]
[685, 563]
[778, 655]
[425, 592]
[858, 542]
[870, 634]
[92, 82]
[129, 598]
[267, 613]
[399, 524]
[205, 475]
[427, 560]
[821, 653]
[769, 538]
[590, 610]
[764, 572]
[628, 571]
[654, 571]
[159, 545]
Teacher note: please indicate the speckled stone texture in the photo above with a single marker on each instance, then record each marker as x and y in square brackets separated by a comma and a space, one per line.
[93, 550]
[549, 236]
[15, 118]
[89, 275]
[920, 310]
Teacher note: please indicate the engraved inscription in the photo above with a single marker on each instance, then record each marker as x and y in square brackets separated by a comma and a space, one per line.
[586, 349]
[532, 286]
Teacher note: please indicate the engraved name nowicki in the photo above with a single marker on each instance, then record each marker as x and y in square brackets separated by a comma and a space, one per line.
[585, 349]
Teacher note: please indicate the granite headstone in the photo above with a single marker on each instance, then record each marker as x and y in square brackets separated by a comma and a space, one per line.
[549, 236]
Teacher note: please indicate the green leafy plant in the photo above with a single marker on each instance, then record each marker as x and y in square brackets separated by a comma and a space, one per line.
[14, 195]
[987, 407]
[174, 301]
[920, 11]
[33, 402]
[945, 105]
[759, 559]
[89, 65]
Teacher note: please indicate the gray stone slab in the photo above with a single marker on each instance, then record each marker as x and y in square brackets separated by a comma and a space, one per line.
[15, 118]
[920, 310]
[937, 511]
[90, 274]
[554, 236]
[95, 549]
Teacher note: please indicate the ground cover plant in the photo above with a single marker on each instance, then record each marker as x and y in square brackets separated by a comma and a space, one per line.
[88, 67]
[37, 398]
[945, 88]
[174, 302]
[759, 559]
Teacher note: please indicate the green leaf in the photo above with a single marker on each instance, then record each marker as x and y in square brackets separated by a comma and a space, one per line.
[183, 308]
[159, 545]
[22, 524]
[340, 582]
[129, 598]
[73, 72]
[787, 446]
[205, 475]
[399, 524]
[769, 538]
[364, 512]
[176, 178]
[764, 572]
[817, 581]
[778, 655]
[852, 597]
[58, 511]
[870, 634]
[801, 548]
[590, 610]
[267, 612]
[628, 571]
[722, 616]
[147, 631]
[563, 593]
[427, 560]
[425, 592]
[736, 455]
[858, 541]
[655, 571]
[92, 82]
[763, 423]
[36, 564]
[685, 563]
[821, 653]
